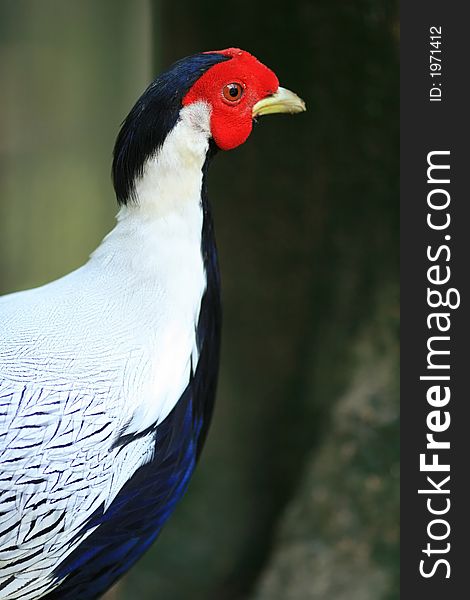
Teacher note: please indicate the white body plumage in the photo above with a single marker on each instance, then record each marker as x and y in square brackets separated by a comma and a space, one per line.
[103, 352]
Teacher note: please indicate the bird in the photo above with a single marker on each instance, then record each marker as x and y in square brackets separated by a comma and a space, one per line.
[108, 374]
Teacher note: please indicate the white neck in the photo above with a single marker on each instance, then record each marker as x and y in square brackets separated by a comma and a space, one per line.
[153, 265]
[173, 176]
[167, 207]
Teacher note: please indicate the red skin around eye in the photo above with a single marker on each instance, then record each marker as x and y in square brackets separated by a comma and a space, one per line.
[231, 122]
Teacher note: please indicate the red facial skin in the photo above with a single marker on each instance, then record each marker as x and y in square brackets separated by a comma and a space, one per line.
[231, 122]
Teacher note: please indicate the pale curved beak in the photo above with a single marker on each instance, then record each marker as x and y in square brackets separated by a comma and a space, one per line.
[283, 101]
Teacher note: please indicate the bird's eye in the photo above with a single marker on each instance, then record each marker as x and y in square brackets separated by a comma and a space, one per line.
[233, 92]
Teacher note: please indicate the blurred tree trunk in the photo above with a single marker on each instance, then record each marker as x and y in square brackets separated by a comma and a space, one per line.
[69, 72]
[338, 538]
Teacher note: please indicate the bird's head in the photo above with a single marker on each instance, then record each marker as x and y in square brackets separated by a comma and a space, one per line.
[218, 93]
[238, 89]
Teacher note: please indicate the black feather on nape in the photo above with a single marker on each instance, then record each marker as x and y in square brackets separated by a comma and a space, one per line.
[152, 118]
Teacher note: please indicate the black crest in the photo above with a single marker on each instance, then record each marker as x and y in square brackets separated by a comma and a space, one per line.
[151, 119]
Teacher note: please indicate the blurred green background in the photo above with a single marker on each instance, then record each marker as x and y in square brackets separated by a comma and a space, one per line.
[296, 495]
